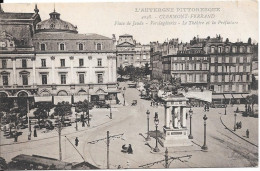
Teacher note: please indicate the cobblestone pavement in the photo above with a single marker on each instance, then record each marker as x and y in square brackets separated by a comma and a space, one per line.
[225, 148]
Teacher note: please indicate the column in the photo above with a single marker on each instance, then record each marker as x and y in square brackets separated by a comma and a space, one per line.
[34, 71]
[53, 69]
[167, 116]
[184, 120]
[71, 70]
[14, 72]
[175, 118]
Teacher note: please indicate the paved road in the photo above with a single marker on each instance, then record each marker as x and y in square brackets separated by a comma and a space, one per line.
[225, 149]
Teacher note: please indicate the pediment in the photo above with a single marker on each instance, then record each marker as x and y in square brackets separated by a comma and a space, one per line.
[126, 44]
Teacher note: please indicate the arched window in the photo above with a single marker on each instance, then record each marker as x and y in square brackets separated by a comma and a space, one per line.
[80, 46]
[52, 26]
[98, 46]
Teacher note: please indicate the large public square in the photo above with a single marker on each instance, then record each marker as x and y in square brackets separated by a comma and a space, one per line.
[226, 147]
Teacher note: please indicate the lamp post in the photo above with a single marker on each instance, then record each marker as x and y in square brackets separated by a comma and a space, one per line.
[88, 117]
[225, 109]
[235, 121]
[76, 121]
[156, 122]
[124, 94]
[148, 135]
[190, 113]
[110, 108]
[204, 147]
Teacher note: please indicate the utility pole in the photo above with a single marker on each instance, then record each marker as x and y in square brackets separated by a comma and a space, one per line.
[166, 158]
[28, 110]
[59, 131]
[107, 149]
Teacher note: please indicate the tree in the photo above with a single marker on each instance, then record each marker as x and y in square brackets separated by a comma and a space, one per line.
[3, 164]
[62, 109]
[84, 107]
[252, 100]
[40, 113]
[121, 71]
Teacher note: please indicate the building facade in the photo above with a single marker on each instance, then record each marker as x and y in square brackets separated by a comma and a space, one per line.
[223, 67]
[131, 53]
[58, 64]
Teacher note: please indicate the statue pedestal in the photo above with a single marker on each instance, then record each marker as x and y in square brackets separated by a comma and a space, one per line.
[175, 137]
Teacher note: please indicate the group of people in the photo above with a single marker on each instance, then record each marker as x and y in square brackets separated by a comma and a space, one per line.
[239, 125]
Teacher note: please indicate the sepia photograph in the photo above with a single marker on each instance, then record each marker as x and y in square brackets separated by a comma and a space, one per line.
[128, 85]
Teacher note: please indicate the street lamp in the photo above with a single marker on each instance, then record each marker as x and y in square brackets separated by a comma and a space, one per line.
[124, 94]
[110, 108]
[190, 113]
[225, 109]
[204, 147]
[76, 121]
[88, 117]
[156, 122]
[235, 121]
[148, 135]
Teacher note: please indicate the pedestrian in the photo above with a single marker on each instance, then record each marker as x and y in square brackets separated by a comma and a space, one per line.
[240, 123]
[205, 108]
[35, 132]
[15, 137]
[151, 103]
[130, 150]
[29, 135]
[5, 129]
[247, 133]
[76, 141]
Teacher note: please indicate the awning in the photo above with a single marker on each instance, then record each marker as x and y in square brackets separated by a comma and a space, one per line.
[80, 98]
[43, 99]
[217, 96]
[228, 96]
[58, 99]
[204, 96]
[113, 91]
[237, 96]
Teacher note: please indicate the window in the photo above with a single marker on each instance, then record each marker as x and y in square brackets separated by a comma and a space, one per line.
[63, 79]
[43, 62]
[212, 69]
[42, 47]
[24, 63]
[197, 78]
[227, 49]
[241, 59]
[183, 80]
[62, 62]
[241, 68]
[220, 60]
[219, 78]
[99, 46]
[234, 49]
[81, 62]
[62, 46]
[25, 79]
[233, 87]
[4, 63]
[81, 78]
[242, 49]
[227, 59]
[234, 60]
[219, 49]
[226, 78]
[100, 78]
[240, 88]
[80, 46]
[198, 66]
[248, 59]
[99, 62]
[248, 68]
[44, 79]
[219, 68]
[212, 78]
[212, 60]
[226, 87]
[248, 49]
[212, 49]
[5, 80]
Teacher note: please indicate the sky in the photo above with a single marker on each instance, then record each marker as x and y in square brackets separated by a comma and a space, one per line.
[106, 18]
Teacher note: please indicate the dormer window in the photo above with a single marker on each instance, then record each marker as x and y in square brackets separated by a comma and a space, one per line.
[234, 49]
[248, 49]
[220, 49]
[80, 46]
[62, 46]
[242, 49]
[212, 49]
[42, 47]
[227, 49]
[52, 26]
[99, 46]
[39, 26]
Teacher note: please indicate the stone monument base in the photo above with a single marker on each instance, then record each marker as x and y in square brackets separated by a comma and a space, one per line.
[175, 137]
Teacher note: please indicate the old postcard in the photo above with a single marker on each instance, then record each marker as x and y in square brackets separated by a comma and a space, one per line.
[119, 85]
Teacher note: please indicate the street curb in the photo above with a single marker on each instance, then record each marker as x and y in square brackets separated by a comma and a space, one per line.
[236, 134]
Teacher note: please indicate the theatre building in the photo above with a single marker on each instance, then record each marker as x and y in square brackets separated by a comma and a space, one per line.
[54, 62]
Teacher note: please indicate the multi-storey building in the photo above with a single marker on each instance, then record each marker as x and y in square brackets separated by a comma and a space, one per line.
[58, 64]
[131, 53]
[156, 61]
[223, 67]
[188, 62]
[230, 69]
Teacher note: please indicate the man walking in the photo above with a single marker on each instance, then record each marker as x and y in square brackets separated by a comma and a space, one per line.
[247, 133]
[76, 141]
